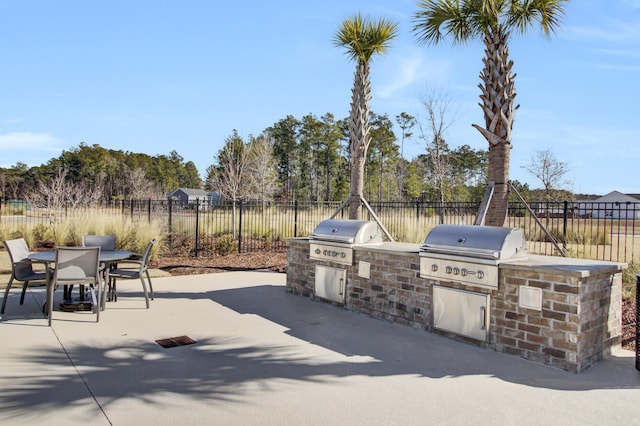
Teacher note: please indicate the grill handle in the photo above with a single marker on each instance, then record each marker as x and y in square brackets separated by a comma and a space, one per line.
[482, 254]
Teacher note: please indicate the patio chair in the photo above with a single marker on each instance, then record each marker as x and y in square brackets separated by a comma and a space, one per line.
[105, 242]
[21, 269]
[129, 273]
[77, 265]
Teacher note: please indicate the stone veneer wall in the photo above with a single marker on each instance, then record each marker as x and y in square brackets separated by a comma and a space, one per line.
[394, 292]
[579, 320]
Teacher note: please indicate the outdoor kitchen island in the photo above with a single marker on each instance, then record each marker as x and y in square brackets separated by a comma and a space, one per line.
[558, 311]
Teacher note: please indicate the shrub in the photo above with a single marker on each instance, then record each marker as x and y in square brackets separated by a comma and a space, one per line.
[629, 281]
[225, 244]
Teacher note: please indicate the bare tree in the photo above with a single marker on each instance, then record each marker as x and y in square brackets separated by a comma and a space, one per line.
[262, 167]
[52, 193]
[59, 191]
[139, 186]
[406, 122]
[231, 176]
[438, 152]
[550, 171]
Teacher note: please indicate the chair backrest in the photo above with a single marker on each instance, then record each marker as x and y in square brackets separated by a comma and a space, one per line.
[18, 249]
[77, 264]
[21, 266]
[147, 253]
[105, 242]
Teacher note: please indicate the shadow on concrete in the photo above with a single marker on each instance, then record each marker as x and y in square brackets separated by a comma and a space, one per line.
[218, 369]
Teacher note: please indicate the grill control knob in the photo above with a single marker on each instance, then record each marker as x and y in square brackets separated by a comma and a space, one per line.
[343, 255]
[434, 268]
[318, 251]
[480, 274]
[456, 271]
[463, 272]
[449, 269]
[334, 253]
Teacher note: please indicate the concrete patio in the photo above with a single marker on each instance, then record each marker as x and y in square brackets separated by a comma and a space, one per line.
[265, 357]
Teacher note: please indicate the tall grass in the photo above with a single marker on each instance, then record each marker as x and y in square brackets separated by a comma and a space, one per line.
[130, 235]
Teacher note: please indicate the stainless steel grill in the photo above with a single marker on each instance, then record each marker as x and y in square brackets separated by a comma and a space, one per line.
[347, 231]
[469, 254]
[333, 239]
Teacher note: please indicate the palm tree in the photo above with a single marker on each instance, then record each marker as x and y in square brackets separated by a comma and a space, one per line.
[493, 21]
[362, 38]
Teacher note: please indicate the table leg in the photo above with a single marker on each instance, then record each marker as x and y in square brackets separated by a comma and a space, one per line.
[49, 301]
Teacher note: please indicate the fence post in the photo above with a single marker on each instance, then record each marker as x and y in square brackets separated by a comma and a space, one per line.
[197, 225]
[295, 219]
[131, 207]
[169, 224]
[565, 216]
[240, 228]
[149, 210]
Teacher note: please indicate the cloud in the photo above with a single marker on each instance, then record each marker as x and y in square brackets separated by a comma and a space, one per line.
[623, 68]
[625, 53]
[612, 31]
[27, 141]
[405, 74]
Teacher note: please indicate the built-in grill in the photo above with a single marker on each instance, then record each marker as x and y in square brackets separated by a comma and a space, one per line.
[469, 254]
[333, 239]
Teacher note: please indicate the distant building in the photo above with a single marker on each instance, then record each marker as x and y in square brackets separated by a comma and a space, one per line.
[189, 196]
[614, 205]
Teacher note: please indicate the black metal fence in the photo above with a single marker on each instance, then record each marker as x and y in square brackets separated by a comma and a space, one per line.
[603, 231]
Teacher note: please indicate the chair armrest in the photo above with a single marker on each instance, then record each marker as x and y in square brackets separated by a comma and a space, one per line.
[125, 262]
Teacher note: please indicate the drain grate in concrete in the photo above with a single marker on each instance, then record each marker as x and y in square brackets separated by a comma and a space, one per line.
[172, 342]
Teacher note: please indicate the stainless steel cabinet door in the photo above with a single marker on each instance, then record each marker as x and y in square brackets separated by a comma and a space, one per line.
[461, 312]
[331, 283]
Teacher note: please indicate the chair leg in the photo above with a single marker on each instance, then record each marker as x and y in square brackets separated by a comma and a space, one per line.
[6, 294]
[146, 293]
[49, 301]
[103, 295]
[94, 293]
[113, 294]
[24, 291]
[150, 285]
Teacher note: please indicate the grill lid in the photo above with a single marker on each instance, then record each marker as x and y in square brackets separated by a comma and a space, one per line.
[347, 231]
[488, 242]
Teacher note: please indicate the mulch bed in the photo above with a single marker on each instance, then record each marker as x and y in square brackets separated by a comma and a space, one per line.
[187, 265]
[629, 324]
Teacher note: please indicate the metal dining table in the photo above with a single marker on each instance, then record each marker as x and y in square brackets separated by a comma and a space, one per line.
[48, 257]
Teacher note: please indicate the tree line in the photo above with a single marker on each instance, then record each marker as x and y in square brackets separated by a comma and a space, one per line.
[89, 174]
[304, 159]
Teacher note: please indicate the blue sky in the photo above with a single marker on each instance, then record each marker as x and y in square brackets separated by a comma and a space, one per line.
[154, 76]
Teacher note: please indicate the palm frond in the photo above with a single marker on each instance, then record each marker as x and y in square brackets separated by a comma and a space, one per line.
[437, 19]
[466, 19]
[363, 37]
[525, 13]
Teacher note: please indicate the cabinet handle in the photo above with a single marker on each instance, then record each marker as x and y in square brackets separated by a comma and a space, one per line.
[483, 317]
[341, 286]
